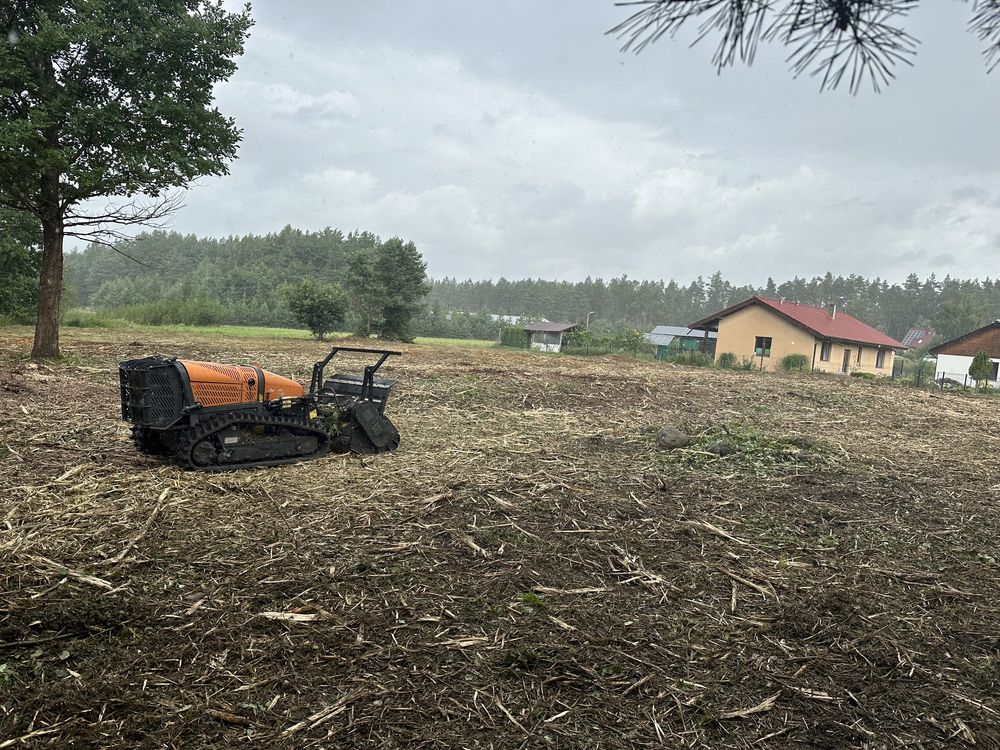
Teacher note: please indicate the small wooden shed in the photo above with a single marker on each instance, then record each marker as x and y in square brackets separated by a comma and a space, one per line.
[548, 337]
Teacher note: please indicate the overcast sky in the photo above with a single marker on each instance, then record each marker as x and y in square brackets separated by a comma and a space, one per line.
[515, 139]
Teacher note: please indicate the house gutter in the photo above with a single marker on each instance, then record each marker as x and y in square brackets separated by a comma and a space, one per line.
[815, 344]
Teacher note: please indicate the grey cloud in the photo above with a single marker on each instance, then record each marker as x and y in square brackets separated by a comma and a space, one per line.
[518, 141]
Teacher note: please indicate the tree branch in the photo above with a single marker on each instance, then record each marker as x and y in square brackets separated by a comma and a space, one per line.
[104, 226]
[835, 40]
[985, 24]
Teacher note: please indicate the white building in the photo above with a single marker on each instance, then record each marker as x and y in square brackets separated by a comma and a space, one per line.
[955, 357]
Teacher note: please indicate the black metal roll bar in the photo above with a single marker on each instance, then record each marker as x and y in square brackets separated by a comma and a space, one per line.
[367, 381]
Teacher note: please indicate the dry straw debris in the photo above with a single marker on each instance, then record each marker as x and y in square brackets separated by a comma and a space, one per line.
[529, 570]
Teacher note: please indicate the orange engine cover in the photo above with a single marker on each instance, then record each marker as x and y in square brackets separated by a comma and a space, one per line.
[276, 386]
[213, 384]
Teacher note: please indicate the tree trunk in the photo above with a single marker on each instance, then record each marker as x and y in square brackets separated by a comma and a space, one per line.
[50, 212]
[50, 281]
[49, 293]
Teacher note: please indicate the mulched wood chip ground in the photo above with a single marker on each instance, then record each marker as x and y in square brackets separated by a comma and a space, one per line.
[529, 571]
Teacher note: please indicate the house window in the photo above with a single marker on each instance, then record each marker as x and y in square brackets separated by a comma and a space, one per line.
[762, 346]
[880, 359]
[995, 372]
[825, 351]
[860, 349]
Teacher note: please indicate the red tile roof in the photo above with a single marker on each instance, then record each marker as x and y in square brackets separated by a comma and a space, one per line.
[816, 320]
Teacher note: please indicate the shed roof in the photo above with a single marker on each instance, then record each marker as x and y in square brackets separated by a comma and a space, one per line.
[547, 327]
[816, 320]
[663, 335]
[985, 339]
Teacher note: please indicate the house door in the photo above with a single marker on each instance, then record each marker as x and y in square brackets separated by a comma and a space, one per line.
[847, 360]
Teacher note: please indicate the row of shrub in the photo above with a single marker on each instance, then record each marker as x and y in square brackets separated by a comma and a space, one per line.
[789, 363]
[728, 361]
[90, 319]
[514, 337]
[196, 311]
[586, 342]
[692, 357]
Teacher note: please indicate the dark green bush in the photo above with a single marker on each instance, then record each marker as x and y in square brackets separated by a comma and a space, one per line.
[87, 319]
[438, 322]
[692, 358]
[727, 361]
[515, 337]
[197, 311]
[587, 343]
[793, 362]
[863, 375]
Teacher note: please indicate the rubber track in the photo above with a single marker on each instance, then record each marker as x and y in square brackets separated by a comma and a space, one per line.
[144, 441]
[182, 453]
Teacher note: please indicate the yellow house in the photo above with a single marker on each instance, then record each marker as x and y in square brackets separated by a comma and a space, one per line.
[766, 330]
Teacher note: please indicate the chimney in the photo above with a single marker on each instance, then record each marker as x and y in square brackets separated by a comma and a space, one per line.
[833, 311]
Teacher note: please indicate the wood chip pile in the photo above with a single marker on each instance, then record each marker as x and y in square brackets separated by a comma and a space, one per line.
[529, 570]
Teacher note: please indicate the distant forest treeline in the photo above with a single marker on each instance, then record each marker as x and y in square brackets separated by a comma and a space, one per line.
[951, 306]
[169, 277]
[230, 280]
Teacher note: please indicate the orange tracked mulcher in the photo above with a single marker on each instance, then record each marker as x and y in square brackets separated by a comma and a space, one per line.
[214, 417]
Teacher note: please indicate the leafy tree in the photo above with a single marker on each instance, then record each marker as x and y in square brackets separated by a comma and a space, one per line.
[319, 307]
[833, 39]
[981, 367]
[402, 276]
[632, 341]
[108, 98]
[20, 259]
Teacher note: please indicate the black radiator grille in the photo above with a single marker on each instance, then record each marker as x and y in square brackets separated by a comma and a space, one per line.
[152, 393]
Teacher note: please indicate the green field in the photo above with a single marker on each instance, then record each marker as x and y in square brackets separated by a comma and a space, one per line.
[88, 319]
